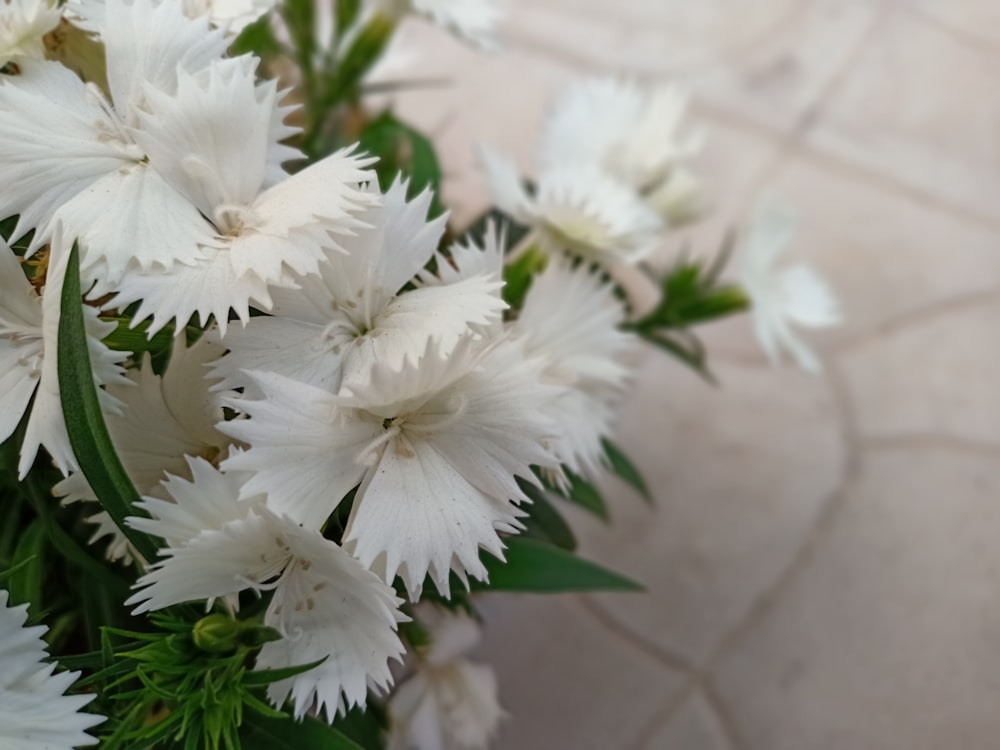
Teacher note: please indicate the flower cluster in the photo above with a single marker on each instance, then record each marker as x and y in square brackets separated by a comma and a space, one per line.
[347, 406]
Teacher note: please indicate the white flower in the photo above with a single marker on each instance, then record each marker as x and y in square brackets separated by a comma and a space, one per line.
[323, 603]
[354, 312]
[630, 132]
[69, 154]
[475, 21]
[435, 445]
[786, 297]
[230, 15]
[570, 322]
[216, 141]
[449, 703]
[29, 331]
[23, 23]
[184, 410]
[579, 208]
[34, 712]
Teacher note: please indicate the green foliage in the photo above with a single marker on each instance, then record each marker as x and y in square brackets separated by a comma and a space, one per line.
[402, 150]
[184, 686]
[579, 491]
[281, 733]
[623, 467]
[88, 435]
[519, 273]
[544, 520]
[691, 294]
[537, 567]
[257, 39]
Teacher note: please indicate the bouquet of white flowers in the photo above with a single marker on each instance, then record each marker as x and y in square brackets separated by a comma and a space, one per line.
[269, 420]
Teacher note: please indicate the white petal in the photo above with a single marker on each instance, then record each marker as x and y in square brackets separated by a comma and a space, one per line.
[419, 512]
[209, 288]
[23, 23]
[133, 217]
[302, 450]
[55, 140]
[506, 186]
[329, 606]
[34, 713]
[147, 43]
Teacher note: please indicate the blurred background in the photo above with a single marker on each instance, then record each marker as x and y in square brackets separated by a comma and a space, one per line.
[823, 558]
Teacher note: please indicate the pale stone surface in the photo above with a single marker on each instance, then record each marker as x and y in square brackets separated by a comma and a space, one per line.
[581, 689]
[728, 513]
[931, 378]
[693, 727]
[887, 639]
[976, 18]
[922, 107]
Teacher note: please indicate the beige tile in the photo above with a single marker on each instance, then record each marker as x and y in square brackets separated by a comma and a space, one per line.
[770, 62]
[782, 80]
[887, 256]
[922, 107]
[740, 474]
[694, 727]
[976, 18]
[887, 639]
[566, 682]
[937, 376]
[642, 37]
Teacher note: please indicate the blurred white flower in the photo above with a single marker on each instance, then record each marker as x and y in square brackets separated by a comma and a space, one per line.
[232, 16]
[435, 445]
[570, 322]
[34, 712]
[324, 603]
[23, 23]
[449, 703]
[578, 208]
[357, 311]
[632, 133]
[786, 297]
[185, 411]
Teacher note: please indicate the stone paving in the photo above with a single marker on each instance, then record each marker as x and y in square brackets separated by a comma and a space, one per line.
[822, 561]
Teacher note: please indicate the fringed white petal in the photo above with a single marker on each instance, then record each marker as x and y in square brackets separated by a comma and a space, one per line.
[148, 42]
[23, 23]
[303, 451]
[329, 607]
[34, 712]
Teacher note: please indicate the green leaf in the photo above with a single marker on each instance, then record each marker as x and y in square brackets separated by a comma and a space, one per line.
[88, 434]
[257, 39]
[623, 467]
[401, 149]
[264, 733]
[541, 568]
[27, 574]
[545, 519]
[580, 492]
[347, 14]
[519, 273]
[262, 677]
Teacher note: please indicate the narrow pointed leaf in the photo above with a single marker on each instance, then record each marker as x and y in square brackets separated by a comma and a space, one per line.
[545, 519]
[88, 434]
[623, 467]
[541, 568]
[265, 733]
